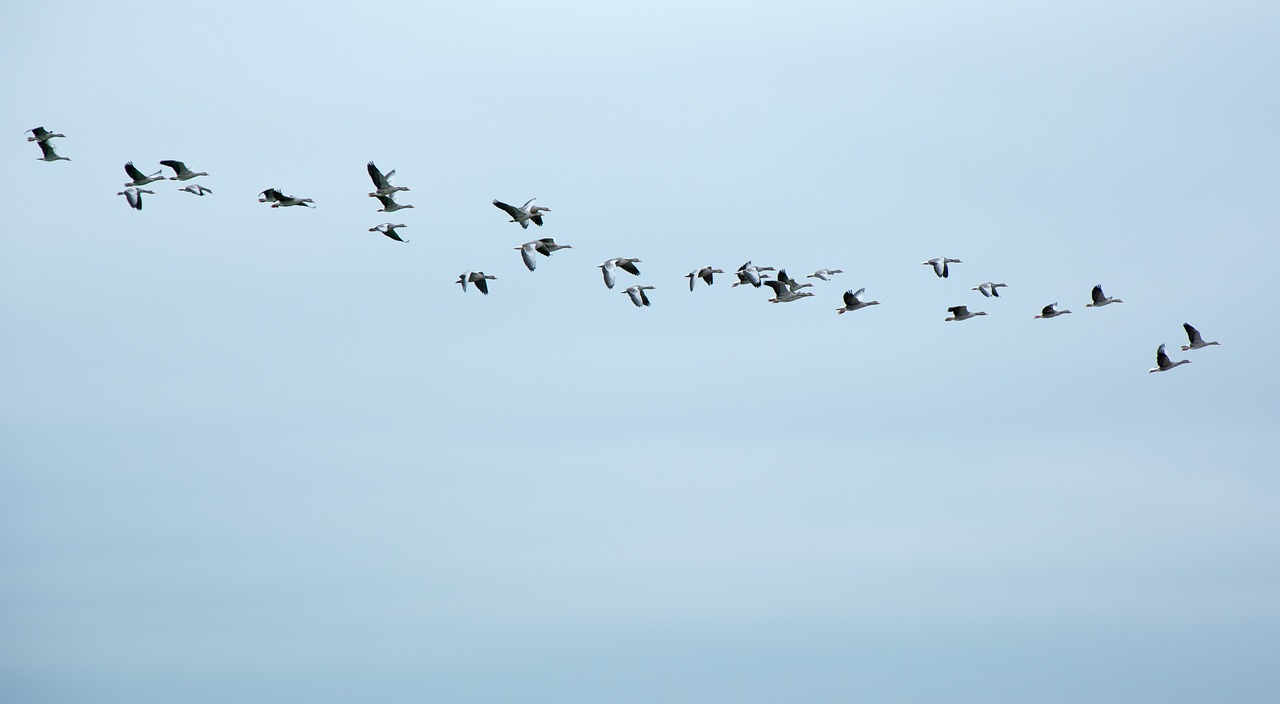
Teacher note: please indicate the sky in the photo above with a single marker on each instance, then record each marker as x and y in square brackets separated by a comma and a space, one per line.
[253, 454]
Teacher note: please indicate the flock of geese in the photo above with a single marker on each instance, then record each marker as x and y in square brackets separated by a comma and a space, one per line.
[785, 289]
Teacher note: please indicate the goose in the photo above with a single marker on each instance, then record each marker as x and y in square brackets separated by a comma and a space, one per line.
[1193, 336]
[382, 181]
[544, 246]
[196, 189]
[139, 178]
[280, 200]
[939, 265]
[706, 273]
[1163, 363]
[46, 148]
[748, 274]
[792, 284]
[389, 204]
[134, 196]
[479, 278]
[824, 274]
[182, 173]
[524, 214]
[389, 230]
[1099, 299]
[989, 289]
[852, 301]
[638, 296]
[627, 265]
[782, 293]
[961, 313]
[40, 134]
[1051, 311]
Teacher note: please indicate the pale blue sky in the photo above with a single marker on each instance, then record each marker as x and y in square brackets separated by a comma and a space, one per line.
[264, 455]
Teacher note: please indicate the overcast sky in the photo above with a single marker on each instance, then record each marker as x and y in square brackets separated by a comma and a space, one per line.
[260, 455]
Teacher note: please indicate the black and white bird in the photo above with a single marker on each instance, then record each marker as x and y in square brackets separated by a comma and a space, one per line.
[40, 134]
[623, 263]
[939, 265]
[1163, 363]
[181, 172]
[48, 153]
[479, 278]
[705, 273]
[1100, 299]
[853, 301]
[139, 178]
[962, 313]
[525, 214]
[989, 289]
[389, 204]
[382, 182]
[1051, 311]
[782, 293]
[1193, 336]
[389, 230]
[196, 189]
[824, 274]
[637, 294]
[750, 274]
[280, 200]
[134, 196]
[544, 246]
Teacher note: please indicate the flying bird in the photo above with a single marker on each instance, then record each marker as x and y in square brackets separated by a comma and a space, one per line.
[40, 134]
[280, 200]
[852, 301]
[389, 230]
[139, 178]
[389, 204]
[382, 182]
[134, 196]
[961, 313]
[197, 189]
[989, 289]
[782, 293]
[1100, 299]
[1193, 336]
[479, 278]
[792, 284]
[623, 263]
[824, 274]
[46, 148]
[544, 246]
[1163, 363]
[939, 265]
[524, 214]
[182, 173]
[638, 296]
[1051, 311]
[750, 274]
[706, 273]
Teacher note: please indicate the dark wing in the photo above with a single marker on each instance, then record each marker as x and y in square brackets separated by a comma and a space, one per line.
[849, 298]
[1046, 311]
[1097, 294]
[482, 284]
[387, 201]
[946, 271]
[379, 181]
[133, 171]
[1192, 334]
[995, 291]
[1162, 359]
[708, 277]
[537, 220]
[272, 195]
[47, 149]
[629, 268]
[958, 310]
[511, 210]
[177, 166]
[643, 298]
[779, 287]
[38, 132]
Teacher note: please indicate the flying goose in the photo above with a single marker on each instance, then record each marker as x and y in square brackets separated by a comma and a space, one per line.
[748, 274]
[544, 246]
[627, 265]
[1099, 299]
[181, 170]
[479, 278]
[989, 289]
[389, 204]
[852, 301]
[382, 182]
[197, 189]
[638, 296]
[280, 200]
[939, 265]
[824, 273]
[962, 313]
[46, 148]
[1051, 311]
[706, 273]
[134, 196]
[792, 284]
[782, 293]
[524, 214]
[139, 178]
[1193, 336]
[389, 230]
[40, 134]
[1163, 363]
